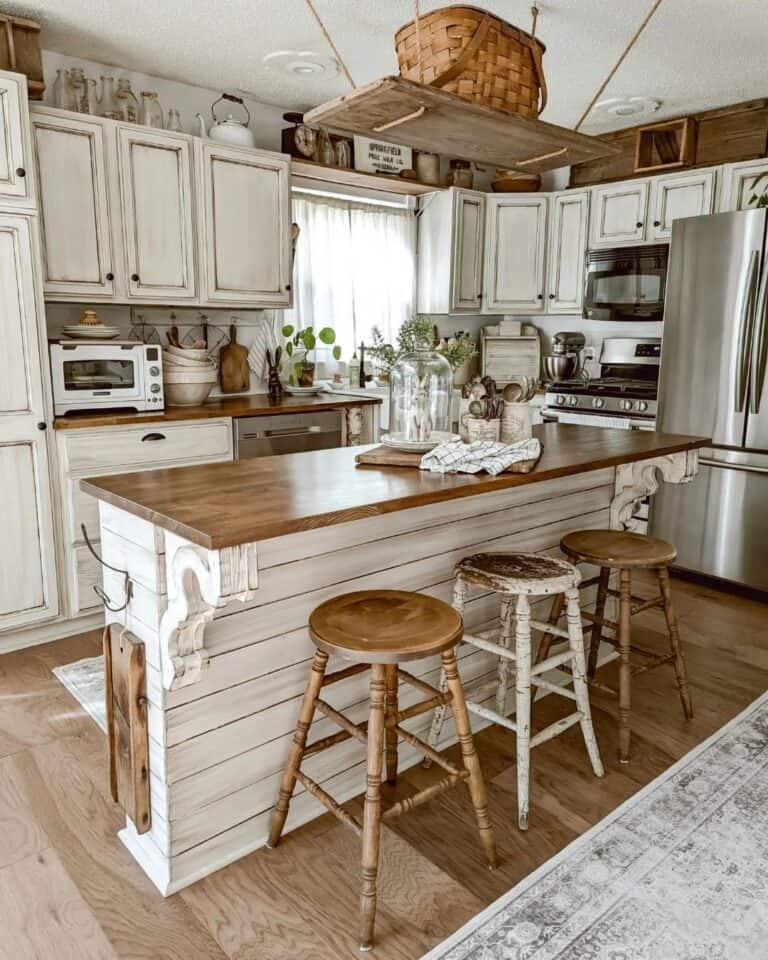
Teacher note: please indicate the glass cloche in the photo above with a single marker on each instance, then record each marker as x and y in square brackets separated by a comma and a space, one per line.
[420, 390]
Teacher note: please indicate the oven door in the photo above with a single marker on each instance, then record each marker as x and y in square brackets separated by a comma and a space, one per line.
[617, 422]
[97, 375]
[626, 284]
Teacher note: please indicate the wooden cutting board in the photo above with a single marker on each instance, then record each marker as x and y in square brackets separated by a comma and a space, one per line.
[389, 457]
[233, 366]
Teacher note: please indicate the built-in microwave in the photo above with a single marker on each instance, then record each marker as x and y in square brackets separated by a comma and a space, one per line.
[106, 374]
[626, 283]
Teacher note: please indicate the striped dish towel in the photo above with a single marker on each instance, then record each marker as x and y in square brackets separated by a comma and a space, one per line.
[455, 456]
[264, 338]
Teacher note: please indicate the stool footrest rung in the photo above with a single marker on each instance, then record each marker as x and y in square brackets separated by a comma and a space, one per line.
[658, 661]
[419, 684]
[603, 687]
[482, 644]
[638, 604]
[550, 628]
[424, 706]
[427, 751]
[423, 796]
[491, 715]
[350, 671]
[356, 730]
[551, 662]
[327, 800]
[554, 729]
[554, 687]
[602, 621]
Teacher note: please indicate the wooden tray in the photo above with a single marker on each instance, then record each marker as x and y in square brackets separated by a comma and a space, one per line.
[387, 457]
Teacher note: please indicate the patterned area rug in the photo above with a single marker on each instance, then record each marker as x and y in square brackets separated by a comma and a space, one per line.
[678, 872]
[85, 681]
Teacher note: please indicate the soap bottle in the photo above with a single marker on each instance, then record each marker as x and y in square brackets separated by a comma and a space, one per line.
[354, 371]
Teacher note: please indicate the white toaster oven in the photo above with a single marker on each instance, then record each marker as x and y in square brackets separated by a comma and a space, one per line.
[106, 374]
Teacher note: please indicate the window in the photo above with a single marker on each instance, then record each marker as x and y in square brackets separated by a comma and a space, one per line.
[355, 268]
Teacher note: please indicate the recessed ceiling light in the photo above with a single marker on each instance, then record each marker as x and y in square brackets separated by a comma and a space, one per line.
[627, 106]
[302, 63]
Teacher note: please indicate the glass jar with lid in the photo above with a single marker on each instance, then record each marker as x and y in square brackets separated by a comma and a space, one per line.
[420, 388]
[460, 174]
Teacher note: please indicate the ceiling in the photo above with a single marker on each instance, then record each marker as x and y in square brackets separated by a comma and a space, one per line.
[694, 55]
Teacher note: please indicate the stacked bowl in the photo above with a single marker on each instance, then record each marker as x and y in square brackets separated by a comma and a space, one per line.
[188, 375]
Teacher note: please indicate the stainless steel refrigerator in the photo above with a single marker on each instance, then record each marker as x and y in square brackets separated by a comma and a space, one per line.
[713, 383]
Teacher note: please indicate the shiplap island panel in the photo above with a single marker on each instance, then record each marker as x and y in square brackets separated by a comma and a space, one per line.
[224, 625]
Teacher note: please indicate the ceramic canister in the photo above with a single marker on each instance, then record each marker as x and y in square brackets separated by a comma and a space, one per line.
[516, 422]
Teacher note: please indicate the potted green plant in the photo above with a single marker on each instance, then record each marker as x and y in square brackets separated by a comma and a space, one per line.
[760, 198]
[459, 350]
[383, 354]
[299, 344]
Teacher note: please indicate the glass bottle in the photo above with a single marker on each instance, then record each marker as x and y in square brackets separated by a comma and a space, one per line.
[151, 113]
[325, 153]
[129, 105]
[88, 101]
[63, 94]
[109, 105]
[420, 385]
[174, 121]
[77, 83]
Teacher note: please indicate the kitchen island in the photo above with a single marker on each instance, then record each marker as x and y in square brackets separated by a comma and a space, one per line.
[227, 560]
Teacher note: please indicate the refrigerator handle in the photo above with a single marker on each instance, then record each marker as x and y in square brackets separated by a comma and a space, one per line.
[746, 324]
[759, 345]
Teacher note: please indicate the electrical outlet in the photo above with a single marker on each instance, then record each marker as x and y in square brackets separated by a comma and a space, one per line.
[590, 353]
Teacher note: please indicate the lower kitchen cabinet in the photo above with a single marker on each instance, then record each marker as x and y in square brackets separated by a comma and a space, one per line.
[515, 252]
[569, 217]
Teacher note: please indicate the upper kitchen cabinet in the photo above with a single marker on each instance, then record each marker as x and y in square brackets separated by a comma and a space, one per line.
[16, 186]
[618, 213]
[70, 167]
[569, 214]
[738, 184]
[156, 195]
[245, 225]
[515, 250]
[679, 195]
[451, 229]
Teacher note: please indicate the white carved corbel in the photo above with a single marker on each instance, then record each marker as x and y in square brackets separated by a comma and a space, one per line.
[199, 581]
[634, 481]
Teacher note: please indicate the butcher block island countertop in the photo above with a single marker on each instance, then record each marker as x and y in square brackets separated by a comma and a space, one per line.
[216, 569]
[227, 504]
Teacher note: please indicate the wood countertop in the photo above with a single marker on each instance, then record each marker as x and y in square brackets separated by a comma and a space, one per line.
[226, 504]
[256, 405]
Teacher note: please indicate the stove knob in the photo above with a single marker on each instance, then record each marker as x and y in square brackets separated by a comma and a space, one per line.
[641, 405]
[625, 404]
[598, 402]
[572, 401]
[559, 399]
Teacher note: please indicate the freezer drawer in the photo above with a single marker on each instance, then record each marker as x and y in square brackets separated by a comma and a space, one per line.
[719, 523]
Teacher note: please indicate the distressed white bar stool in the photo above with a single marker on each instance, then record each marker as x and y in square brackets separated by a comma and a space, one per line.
[517, 577]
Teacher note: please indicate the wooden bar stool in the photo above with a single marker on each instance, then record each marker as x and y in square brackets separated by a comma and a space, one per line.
[378, 629]
[625, 551]
[517, 577]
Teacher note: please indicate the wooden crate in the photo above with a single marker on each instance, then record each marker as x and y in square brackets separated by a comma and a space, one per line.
[665, 146]
[20, 52]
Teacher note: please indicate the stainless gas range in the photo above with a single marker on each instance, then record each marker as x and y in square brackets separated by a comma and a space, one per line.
[624, 395]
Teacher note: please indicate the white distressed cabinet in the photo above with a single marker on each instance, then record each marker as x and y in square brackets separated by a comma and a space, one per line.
[16, 180]
[568, 224]
[71, 174]
[157, 201]
[451, 230]
[679, 195]
[738, 187]
[618, 213]
[515, 244]
[28, 590]
[245, 215]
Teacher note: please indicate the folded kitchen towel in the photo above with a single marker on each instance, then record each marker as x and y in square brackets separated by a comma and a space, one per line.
[455, 456]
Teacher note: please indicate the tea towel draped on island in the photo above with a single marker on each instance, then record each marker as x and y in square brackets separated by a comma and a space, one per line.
[455, 456]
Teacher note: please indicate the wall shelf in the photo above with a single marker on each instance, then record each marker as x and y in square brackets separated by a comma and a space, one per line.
[326, 174]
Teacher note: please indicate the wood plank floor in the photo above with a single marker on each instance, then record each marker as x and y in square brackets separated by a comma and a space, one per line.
[68, 888]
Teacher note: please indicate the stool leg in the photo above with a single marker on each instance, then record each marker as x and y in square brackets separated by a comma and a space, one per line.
[306, 713]
[438, 718]
[468, 754]
[504, 663]
[625, 669]
[390, 715]
[596, 632]
[674, 642]
[547, 638]
[372, 809]
[523, 707]
[580, 688]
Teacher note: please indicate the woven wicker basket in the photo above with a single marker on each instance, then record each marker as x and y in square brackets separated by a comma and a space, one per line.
[472, 53]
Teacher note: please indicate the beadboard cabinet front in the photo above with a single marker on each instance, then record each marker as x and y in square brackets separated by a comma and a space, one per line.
[515, 250]
[245, 212]
[16, 181]
[156, 191]
[70, 167]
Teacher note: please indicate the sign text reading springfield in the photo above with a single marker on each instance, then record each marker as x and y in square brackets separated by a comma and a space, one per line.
[374, 156]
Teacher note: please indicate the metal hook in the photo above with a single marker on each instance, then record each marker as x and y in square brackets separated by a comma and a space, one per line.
[104, 597]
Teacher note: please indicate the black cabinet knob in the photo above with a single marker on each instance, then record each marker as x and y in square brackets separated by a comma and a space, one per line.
[134, 277]
[110, 276]
[287, 286]
[551, 296]
[540, 296]
[639, 224]
[657, 223]
[21, 172]
[42, 425]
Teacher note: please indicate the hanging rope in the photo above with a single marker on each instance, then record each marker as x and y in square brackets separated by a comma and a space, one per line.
[622, 58]
[535, 16]
[331, 44]
[416, 17]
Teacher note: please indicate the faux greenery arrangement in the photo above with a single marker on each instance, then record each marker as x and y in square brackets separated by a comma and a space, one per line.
[457, 349]
[418, 330]
[760, 198]
[298, 346]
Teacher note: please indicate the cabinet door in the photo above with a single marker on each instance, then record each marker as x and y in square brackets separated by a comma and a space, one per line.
[247, 219]
[467, 254]
[567, 249]
[515, 244]
[684, 195]
[28, 583]
[618, 213]
[739, 184]
[71, 184]
[16, 187]
[156, 192]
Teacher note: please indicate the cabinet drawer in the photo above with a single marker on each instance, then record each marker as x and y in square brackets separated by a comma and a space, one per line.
[145, 446]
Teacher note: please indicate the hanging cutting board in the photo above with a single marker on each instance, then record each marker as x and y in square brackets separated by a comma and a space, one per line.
[233, 365]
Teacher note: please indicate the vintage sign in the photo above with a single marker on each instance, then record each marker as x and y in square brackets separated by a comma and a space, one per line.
[376, 156]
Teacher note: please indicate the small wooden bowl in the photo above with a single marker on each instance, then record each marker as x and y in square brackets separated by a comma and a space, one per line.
[508, 181]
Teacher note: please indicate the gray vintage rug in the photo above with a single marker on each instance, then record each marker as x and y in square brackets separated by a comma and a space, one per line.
[678, 872]
[85, 681]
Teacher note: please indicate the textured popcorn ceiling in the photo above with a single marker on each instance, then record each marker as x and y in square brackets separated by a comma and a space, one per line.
[694, 55]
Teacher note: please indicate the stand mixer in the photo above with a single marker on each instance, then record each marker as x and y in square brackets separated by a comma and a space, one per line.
[566, 362]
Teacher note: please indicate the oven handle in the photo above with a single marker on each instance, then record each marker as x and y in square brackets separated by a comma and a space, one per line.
[745, 334]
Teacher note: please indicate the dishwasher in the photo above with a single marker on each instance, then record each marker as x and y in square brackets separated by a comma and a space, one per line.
[286, 433]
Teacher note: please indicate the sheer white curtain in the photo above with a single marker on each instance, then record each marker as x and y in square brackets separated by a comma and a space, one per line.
[355, 268]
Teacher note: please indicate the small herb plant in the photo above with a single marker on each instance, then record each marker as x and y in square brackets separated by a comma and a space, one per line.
[414, 333]
[307, 339]
[457, 349]
[760, 198]
[381, 351]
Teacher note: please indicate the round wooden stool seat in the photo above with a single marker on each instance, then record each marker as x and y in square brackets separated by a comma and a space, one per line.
[384, 626]
[519, 573]
[617, 548]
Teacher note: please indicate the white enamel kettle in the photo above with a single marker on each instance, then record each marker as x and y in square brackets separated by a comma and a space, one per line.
[231, 130]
